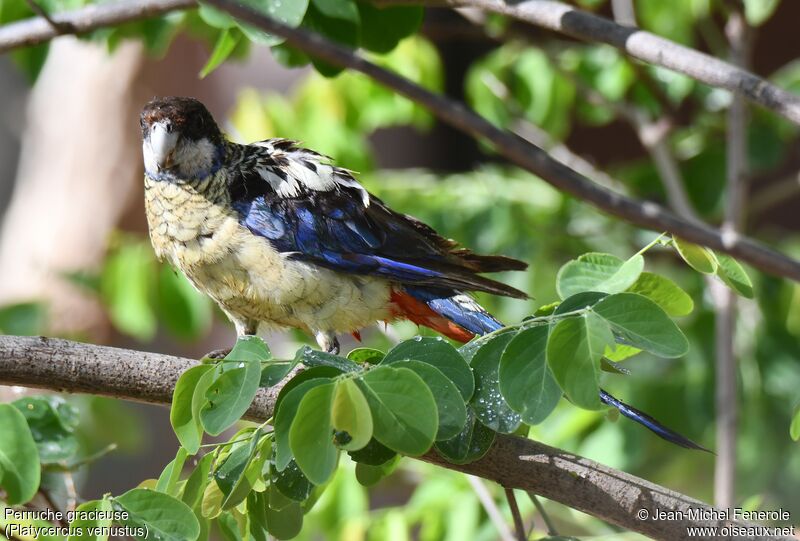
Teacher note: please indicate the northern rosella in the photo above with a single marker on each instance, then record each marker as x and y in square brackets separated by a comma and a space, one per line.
[280, 237]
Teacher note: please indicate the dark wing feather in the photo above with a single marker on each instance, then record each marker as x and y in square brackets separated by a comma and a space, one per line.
[335, 230]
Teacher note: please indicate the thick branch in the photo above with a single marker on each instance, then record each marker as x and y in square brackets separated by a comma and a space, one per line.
[637, 43]
[523, 153]
[38, 29]
[512, 462]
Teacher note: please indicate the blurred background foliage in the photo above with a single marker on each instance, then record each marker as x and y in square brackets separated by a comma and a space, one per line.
[581, 95]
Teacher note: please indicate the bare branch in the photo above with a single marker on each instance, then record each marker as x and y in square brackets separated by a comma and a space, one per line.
[513, 462]
[637, 43]
[38, 29]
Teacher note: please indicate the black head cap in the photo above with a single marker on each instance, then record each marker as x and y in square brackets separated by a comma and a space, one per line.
[187, 116]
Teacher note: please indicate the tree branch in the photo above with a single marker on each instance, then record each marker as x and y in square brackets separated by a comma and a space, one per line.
[38, 29]
[637, 43]
[513, 462]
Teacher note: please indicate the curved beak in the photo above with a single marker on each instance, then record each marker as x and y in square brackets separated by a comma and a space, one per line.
[162, 145]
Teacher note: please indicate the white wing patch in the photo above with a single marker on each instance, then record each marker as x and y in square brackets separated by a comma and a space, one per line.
[305, 169]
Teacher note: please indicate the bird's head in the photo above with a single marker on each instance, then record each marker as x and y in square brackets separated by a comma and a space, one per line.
[180, 139]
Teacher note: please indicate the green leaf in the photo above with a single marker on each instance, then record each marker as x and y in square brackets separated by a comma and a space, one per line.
[184, 414]
[369, 476]
[285, 523]
[274, 372]
[291, 482]
[383, 28]
[470, 444]
[759, 11]
[185, 312]
[229, 396]
[310, 437]
[229, 528]
[619, 352]
[226, 43]
[664, 292]
[525, 379]
[284, 417]
[350, 416]
[794, 429]
[288, 13]
[449, 404]
[19, 459]
[23, 319]
[126, 285]
[574, 349]
[88, 522]
[734, 275]
[163, 517]
[403, 409]
[642, 324]
[598, 272]
[366, 356]
[438, 353]
[579, 301]
[314, 357]
[52, 422]
[249, 348]
[335, 19]
[230, 475]
[168, 480]
[699, 258]
[488, 403]
[192, 493]
[374, 454]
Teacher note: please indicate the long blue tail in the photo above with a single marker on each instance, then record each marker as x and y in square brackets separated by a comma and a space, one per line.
[465, 312]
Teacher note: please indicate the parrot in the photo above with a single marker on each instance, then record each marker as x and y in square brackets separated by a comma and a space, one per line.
[280, 237]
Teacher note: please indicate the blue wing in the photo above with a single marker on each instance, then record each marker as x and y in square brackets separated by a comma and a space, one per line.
[339, 229]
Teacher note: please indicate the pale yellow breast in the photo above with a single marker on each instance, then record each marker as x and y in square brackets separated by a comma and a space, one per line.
[201, 236]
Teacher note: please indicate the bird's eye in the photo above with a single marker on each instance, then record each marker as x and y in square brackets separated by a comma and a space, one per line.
[169, 127]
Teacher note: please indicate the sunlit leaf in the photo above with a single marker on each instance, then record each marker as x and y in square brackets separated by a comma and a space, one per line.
[311, 434]
[699, 258]
[440, 354]
[19, 459]
[604, 273]
[162, 517]
[664, 292]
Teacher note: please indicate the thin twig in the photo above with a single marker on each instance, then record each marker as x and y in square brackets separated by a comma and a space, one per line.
[514, 462]
[548, 522]
[519, 525]
[726, 302]
[490, 506]
[59, 27]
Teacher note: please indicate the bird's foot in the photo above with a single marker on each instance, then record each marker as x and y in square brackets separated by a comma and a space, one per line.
[327, 341]
[217, 354]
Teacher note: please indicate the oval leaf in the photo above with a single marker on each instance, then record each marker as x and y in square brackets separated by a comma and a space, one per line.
[488, 403]
[698, 257]
[311, 435]
[525, 379]
[734, 275]
[468, 445]
[598, 272]
[183, 417]
[229, 396]
[163, 517]
[19, 459]
[86, 527]
[449, 404]
[665, 293]
[436, 352]
[403, 409]
[284, 416]
[574, 350]
[642, 324]
[351, 415]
